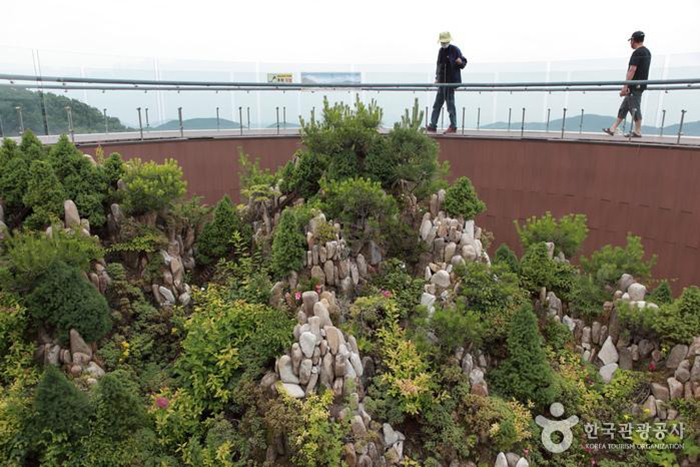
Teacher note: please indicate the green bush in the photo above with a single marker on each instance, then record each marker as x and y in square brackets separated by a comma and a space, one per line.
[537, 271]
[216, 240]
[455, 327]
[662, 294]
[152, 187]
[63, 300]
[301, 175]
[120, 411]
[609, 263]
[679, 321]
[361, 207]
[506, 256]
[587, 297]
[525, 374]
[556, 335]
[403, 287]
[289, 241]
[568, 233]
[45, 196]
[461, 200]
[256, 184]
[14, 178]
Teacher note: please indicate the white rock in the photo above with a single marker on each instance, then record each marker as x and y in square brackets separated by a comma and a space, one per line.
[522, 463]
[293, 390]
[425, 228]
[167, 295]
[608, 371]
[608, 353]
[284, 366]
[637, 292]
[72, 217]
[501, 460]
[95, 370]
[441, 279]
[307, 341]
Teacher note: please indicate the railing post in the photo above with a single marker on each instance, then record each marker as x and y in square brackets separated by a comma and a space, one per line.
[580, 124]
[426, 116]
[522, 124]
[148, 124]
[20, 120]
[478, 119]
[182, 127]
[2, 130]
[549, 112]
[663, 120]
[463, 110]
[140, 124]
[104, 112]
[278, 120]
[563, 123]
[284, 117]
[680, 128]
[313, 115]
[70, 123]
[248, 112]
[240, 118]
[218, 124]
[510, 110]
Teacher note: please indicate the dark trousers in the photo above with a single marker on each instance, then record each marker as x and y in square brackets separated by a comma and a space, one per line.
[444, 95]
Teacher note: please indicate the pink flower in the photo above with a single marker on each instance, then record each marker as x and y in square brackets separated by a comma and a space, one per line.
[297, 296]
[318, 288]
[526, 451]
[162, 402]
[652, 366]
[386, 293]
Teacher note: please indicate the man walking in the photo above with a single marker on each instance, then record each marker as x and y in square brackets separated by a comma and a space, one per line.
[638, 70]
[449, 63]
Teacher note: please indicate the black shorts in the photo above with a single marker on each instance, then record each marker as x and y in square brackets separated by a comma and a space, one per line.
[632, 104]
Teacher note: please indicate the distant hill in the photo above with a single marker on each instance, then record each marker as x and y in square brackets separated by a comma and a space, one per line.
[86, 119]
[199, 124]
[593, 123]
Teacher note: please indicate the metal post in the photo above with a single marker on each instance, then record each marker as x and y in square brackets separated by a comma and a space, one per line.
[20, 119]
[549, 112]
[182, 127]
[663, 120]
[218, 125]
[248, 112]
[104, 112]
[580, 124]
[463, 110]
[426, 117]
[680, 128]
[148, 124]
[284, 117]
[70, 123]
[478, 119]
[563, 123]
[510, 110]
[44, 116]
[140, 124]
[278, 120]
[522, 124]
[240, 118]
[2, 130]
[313, 115]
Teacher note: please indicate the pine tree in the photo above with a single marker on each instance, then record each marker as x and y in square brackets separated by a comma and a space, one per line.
[525, 375]
[216, 240]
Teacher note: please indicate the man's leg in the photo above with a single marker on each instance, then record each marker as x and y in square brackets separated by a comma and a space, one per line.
[437, 107]
[637, 114]
[451, 107]
[619, 120]
[622, 113]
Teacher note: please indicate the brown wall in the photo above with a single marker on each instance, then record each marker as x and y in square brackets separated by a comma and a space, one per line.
[652, 191]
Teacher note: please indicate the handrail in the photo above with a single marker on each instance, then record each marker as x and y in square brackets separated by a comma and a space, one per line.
[230, 85]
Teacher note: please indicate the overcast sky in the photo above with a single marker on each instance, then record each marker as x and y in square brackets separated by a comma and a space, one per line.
[359, 31]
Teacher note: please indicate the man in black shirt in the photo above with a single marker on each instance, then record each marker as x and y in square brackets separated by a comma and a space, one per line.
[449, 63]
[638, 70]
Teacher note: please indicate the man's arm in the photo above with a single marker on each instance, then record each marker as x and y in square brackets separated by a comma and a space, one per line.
[630, 74]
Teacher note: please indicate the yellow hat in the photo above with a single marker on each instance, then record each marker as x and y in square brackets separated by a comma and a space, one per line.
[445, 37]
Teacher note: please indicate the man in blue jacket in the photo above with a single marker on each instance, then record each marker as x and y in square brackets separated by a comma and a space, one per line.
[449, 63]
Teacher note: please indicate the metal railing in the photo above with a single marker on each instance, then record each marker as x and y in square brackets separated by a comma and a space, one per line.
[30, 82]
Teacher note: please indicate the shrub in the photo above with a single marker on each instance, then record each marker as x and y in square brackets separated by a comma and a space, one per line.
[301, 175]
[461, 200]
[679, 321]
[227, 340]
[216, 239]
[360, 205]
[525, 374]
[256, 184]
[556, 335]
[402, 286]
[367, 316]
[120, 412]
[506, 256]
[587, 297]
[568, 233]
[537, 271]
[289, 241]
[150, 186]
[14, 177]
[454, 327]
[609, 263]
[662, 294]
[45, 196]
[63, 299]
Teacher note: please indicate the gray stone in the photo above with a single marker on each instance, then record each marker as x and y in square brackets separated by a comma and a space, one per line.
[341, 365]
[625, 360]
[72, 217]
[390, 435]
[649, 407]
[343, 268]
[284, 366]
[625, 281]
[694, 348]
[501, 460]
[293, 390]
[469, 252]
[427, 300]
[307, 341]
[695, 371]
[327, 373]
[522, 463]
[305, 371]
[512, 459]
[358, 426]
[455, 261]
[365, 461]
[677, 355]
[356, 364]
[309, 299]
[354, 273]
[607, 372]
[586, 335]
[682, 373]
[476, 376]
[375, 254]
[645, 348]
[441, 279]
[675, 388]
[595, 332]
[185, 298]
[425, 228]
[334, 337]
[268, 381]
[318, 274]
[178, 271]
[321, 312]
[95, 370]
[450, 250]
[361, 265]
[297, 357]
[313, 381]
[167, 295]
[77, 344]
[637, 292]
[53, 355]
[634, 350]
[568, 322]
[347, 287]
[81, 359]
[608, 353]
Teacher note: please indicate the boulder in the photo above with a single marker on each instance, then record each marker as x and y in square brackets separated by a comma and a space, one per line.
[645, 348]
[95, 370]
[77, 344]
[675, 388]
[293, 390]
[358, 426]
[307, 341]
[167, 295]
[441, 279]
[284, 366]
[501, 460]
[625, 360]
[649, 407]
[318, 274]
[682, 373]
[636, 292]
[72, 217]
[305, 371]
[522, 463]
[695, 371]
[53, 355]
[608, 353]
[309, 299]
[607, 372]
[625, 281]
[677, 355]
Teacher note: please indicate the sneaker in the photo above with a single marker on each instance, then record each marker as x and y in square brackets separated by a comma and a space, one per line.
[632, 134]
[431, 129]
[450, 130]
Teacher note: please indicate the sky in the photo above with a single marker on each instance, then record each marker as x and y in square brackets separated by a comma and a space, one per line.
[361, 31]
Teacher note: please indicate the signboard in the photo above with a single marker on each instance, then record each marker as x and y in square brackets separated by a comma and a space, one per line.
[279, 78]
[331, 78]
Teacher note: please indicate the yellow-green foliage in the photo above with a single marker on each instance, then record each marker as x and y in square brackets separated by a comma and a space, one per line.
[150, 186]
[567, 233]
[506, 422]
